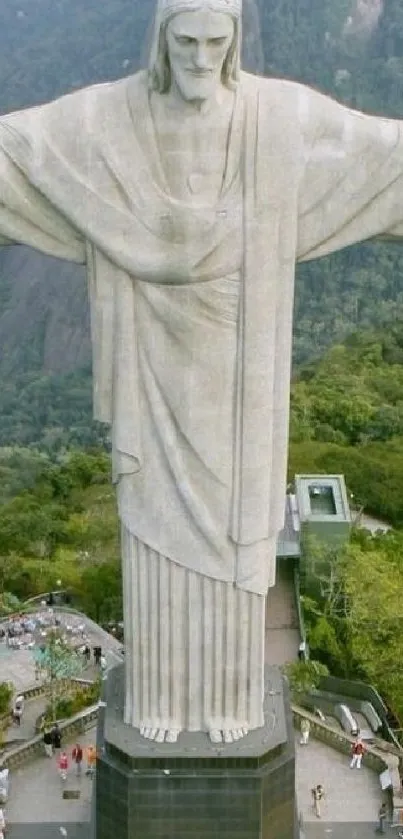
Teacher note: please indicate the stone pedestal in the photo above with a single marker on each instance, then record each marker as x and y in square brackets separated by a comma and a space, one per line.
[193, 789]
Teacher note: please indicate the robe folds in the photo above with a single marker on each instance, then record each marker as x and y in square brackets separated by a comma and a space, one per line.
[191, 308]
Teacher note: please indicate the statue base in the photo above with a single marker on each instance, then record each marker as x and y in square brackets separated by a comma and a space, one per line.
[243, 790]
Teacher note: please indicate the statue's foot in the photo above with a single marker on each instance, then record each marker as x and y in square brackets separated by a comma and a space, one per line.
[227, 735]
[160, 735]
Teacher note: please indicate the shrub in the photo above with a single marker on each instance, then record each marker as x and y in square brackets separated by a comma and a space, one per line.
[6, 692]
[304, 676]
[67, 706]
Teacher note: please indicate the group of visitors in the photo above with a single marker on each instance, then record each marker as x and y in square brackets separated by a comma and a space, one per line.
[52, 741]
[99, 656]
[358, 750]
[78, 756]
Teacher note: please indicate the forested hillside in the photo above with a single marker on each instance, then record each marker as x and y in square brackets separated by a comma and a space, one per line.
[352, 50]
[347, 416]
[58, 527]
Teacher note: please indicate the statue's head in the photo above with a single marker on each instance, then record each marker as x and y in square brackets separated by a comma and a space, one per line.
[196, 46]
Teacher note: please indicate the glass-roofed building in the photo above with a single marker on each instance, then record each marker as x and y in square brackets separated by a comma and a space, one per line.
[318, 507]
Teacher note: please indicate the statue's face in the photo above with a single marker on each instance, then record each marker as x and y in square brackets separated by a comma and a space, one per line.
[198, 43]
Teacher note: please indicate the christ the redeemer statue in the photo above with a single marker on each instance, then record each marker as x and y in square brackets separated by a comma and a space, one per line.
[189, 191]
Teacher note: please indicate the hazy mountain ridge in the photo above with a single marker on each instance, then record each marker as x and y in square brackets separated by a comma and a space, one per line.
[59, 334]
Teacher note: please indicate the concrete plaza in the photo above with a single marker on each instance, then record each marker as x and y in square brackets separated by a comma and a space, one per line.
[353, 797]
[36, 807]
[350, 810]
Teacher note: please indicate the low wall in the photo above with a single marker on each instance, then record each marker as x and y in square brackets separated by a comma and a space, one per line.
[375, 758]
[364, 693]
[29, 693]
[33, 748]
[41, 690]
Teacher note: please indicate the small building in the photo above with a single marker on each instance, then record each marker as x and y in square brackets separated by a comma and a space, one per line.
[324, 525]
[323, 508]
[319, 508]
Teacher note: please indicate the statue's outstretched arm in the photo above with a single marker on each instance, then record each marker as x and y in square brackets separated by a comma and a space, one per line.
[26, 215]
[352, 188]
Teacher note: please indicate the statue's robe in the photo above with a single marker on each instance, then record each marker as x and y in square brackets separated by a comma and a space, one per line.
[191, 317]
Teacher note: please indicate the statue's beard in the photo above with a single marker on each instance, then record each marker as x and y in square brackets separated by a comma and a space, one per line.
[196, 87]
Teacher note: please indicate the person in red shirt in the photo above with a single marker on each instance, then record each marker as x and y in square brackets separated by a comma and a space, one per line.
[357, 749]
[63, 764]
[77, 755]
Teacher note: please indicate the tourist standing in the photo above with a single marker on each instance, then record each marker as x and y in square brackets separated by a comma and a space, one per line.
[91, 760]
[56, 737]
[305, 730]
[317, 796]
[77, 755]
[358, 750]
[97, 655]
[18, 709]
[48, 742]
[302, 651]
[382, 818]
[63, 764]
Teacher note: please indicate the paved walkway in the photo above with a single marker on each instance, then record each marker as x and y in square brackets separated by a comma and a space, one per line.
[353, 796]
[342, 830]
[282, 635]
[36, 798]
[32, 710]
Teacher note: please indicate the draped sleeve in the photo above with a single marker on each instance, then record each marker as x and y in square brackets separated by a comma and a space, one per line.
[352, 187]
[26, 215]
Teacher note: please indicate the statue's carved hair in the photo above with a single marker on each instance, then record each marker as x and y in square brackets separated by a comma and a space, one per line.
[159, 72]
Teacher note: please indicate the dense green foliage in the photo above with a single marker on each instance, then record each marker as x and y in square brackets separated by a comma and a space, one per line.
[304, 676]
[347, 417]
[72, 702]
[53, 411]
[58, 527]
[6, 692]
[354, 612]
